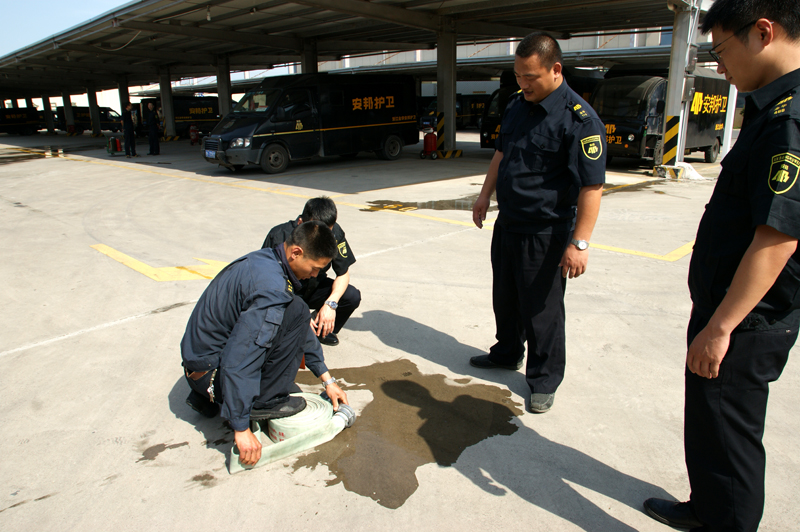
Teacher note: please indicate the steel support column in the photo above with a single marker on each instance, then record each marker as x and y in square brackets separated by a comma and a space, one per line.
[446, 86]
[309, 62]
[69, 117]
[166, 104]
[224, 85]
[94, 111]
[124, 95]
[48, 115]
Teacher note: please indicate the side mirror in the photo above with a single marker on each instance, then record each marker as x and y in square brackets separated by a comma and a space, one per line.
[660, 106]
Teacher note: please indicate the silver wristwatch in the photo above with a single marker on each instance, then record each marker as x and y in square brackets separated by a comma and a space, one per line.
[329, 382]
[582, 245]
[333, 304]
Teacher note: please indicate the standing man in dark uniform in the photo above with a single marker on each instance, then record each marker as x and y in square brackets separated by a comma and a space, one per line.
[248, 332]
[128, 132]
[548, 170]
[152, 129]
[333, 299]
[744, 276]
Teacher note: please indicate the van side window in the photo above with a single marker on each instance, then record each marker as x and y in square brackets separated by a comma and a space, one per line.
[296, 104]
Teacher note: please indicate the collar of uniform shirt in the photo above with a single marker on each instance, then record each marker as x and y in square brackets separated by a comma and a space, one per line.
[766, 94]
[553, 100]
[296, 284]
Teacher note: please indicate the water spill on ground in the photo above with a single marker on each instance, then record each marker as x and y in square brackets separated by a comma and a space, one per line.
[16, 155]
[413, 420]
[464, 203]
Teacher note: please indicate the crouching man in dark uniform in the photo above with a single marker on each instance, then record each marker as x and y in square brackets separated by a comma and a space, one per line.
[248, 332]
[548, 170]
[333, 299]
[744, 276]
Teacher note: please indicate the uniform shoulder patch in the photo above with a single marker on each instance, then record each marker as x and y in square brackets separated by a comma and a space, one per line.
[579, 110]
[592, 147]
[783, 172]
[289, 286]
[342, 249]
[782, 106]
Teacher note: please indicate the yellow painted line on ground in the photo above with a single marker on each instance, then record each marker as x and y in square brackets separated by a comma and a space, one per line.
[175, 273]
[672, 256]
[647, 182]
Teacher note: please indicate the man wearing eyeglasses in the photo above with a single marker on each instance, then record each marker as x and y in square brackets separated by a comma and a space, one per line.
[744, 276]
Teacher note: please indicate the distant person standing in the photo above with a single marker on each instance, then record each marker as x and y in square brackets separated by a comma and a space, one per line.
[127, 131]
[152, 129]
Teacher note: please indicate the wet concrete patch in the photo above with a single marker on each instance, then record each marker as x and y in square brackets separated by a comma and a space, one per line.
[464, 203]
[151, 453]
[17, 155]
[413, 420]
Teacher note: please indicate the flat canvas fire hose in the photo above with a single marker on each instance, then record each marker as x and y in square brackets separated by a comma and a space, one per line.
[315, 425]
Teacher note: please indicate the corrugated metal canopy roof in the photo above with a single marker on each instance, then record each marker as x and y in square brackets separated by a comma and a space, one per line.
[142, 39]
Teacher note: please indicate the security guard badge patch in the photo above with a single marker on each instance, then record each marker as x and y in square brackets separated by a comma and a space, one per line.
[783, 172]
[342, 249]
[592, 147]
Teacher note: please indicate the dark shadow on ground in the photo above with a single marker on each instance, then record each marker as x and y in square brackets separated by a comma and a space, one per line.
[422, 340]
[529, 465]
[216, 433]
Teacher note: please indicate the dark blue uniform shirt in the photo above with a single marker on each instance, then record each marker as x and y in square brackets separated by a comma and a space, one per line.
[233, 325]
[550, 150]
[757, 186]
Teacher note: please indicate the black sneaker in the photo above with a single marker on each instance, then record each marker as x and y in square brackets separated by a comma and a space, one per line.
[202, 405]
[289, 406]
[483, 362]
[672, 513]
[329, 339]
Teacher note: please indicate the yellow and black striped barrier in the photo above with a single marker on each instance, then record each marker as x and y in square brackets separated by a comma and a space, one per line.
[440, 134]
[169, 139]
[671, 141]
[97, 135]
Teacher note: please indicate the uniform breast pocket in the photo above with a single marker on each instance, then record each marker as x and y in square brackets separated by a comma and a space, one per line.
[272, 320]
[541, 153]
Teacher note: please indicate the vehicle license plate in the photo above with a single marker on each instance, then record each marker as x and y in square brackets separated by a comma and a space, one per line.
[211, 154]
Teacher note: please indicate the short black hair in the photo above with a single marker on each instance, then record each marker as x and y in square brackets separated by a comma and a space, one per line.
[544, 46]
[127, 104]
[738, 15]
[315, 238]
[322, 209]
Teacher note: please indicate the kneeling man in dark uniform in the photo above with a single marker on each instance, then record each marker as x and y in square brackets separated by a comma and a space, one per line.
[333, 299]
[744, 276]
[248, 333]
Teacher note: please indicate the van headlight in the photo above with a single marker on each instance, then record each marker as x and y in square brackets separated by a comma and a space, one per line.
[240, 143]
[631, 137]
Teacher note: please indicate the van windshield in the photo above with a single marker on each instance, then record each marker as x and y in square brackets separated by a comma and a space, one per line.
[257, 101]
[621, 97]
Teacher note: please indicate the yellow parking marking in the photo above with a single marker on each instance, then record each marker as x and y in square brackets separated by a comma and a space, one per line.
[672, 256]
[175, 273]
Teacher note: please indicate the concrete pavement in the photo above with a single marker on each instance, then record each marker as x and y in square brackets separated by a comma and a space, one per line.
[105, 257]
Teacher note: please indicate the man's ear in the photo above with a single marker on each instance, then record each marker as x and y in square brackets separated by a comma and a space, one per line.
[295, 252]
[299, 220]
[557, 69]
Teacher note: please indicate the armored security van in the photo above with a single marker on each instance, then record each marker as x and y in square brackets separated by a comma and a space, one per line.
[306, 115]
[632, 108]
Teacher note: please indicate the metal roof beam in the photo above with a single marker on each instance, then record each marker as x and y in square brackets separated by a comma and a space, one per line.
[361, 46]
[166, 56]
[396, 15]
[489, 29]
[270, 41]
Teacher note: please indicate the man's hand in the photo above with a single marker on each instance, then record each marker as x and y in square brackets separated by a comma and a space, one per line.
[573, 262]
[324, 322]
[336, 395]
[249, 447]
[707, 351]
[479, 211]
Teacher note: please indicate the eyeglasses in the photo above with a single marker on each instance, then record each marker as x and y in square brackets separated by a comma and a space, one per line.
[715, 55]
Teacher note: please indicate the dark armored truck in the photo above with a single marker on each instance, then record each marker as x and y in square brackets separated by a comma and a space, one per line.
[200, 111]
[109, 119]
[301, 116]
[21, 121]
[632, 109]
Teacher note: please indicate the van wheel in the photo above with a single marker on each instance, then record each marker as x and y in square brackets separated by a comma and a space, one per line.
[712, 152]
[275, 159]
[391, 148]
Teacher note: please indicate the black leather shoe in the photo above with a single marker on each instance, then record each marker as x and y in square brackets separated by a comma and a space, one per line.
[672, 513]
[329, 339]
[483, 362]
[285, 408]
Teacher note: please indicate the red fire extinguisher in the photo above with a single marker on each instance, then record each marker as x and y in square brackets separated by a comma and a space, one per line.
[194, 134]
[429, 145]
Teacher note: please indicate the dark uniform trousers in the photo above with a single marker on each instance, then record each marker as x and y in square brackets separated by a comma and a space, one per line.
[130, 141]
[528, 298]
[152, 136]
[724, 425]
[280, 366]
[348, 303]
